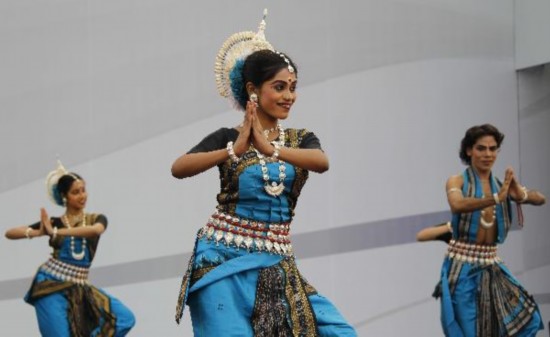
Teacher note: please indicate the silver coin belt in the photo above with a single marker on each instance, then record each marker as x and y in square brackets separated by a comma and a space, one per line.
[473, 253]
[65, 272]
[248, 234]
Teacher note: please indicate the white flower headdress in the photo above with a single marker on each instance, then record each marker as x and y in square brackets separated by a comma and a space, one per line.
[52, 179]
[230, 59]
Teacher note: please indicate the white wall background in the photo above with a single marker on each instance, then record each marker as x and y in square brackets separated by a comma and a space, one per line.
[119, 89]
[532, 33]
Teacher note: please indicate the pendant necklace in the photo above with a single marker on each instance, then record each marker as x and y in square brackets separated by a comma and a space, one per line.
[77, 256]
[482, 221]
[274, 189]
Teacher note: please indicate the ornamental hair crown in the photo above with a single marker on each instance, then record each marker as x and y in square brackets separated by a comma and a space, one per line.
[233, 52]
[52, 179]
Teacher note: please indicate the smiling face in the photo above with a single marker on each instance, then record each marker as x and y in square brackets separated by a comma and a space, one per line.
[277, 95]
[77, 196]
[483, 153]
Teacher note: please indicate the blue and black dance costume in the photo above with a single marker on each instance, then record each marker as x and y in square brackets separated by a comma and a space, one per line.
[242, 278]
[66, 304]
[479, 295]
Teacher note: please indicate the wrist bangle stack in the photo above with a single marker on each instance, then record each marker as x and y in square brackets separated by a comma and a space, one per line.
[231, 152]
[495, 197]
[28, 233]
[54, 234]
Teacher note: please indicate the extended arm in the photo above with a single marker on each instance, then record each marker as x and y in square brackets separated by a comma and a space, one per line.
[23, 232]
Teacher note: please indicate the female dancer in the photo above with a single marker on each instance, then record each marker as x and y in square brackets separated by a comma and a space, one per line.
[66, 303]
[242, 279]
[479, 295]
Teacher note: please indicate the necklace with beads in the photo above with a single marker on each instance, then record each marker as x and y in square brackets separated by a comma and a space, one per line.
[77, 256]
[486, 224]
[274, 189]
[268, 131]
[482, 221]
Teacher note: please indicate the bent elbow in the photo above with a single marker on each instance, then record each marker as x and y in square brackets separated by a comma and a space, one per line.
[98, 230]
[319, 170]
[10, 235]
[456, 209]
[177, 173]
[322, 167]
[182, 169]
[421, 236]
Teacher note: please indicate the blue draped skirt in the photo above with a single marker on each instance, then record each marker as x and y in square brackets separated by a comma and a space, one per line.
[53, 307]
[488, 299]
[236, 294]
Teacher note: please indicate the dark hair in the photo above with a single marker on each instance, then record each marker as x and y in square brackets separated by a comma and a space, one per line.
[65, 182]
[473, 134]
[261, 66]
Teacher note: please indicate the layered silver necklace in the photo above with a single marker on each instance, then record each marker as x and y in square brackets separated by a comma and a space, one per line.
[274, 189]
[77, 256]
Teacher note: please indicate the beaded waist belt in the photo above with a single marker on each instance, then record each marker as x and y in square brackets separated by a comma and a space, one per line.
[65, 271]
[473, 253]
[248, 234]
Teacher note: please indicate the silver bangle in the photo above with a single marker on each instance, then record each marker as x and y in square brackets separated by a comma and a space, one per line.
[28, 233]
[275, 155]
[495, 197]
[231, 152]
[525, 195]
[54, 234]
[449, 226]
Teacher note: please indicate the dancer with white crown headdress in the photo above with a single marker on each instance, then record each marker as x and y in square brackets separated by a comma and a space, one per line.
[66, 303]
[242, 278]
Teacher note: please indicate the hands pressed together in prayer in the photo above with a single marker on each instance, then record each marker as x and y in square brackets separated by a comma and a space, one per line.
[519, 193]
[46, 227]
[252, 133]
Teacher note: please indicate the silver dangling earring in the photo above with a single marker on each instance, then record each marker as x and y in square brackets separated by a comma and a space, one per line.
[64, 201]
[254, 97]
